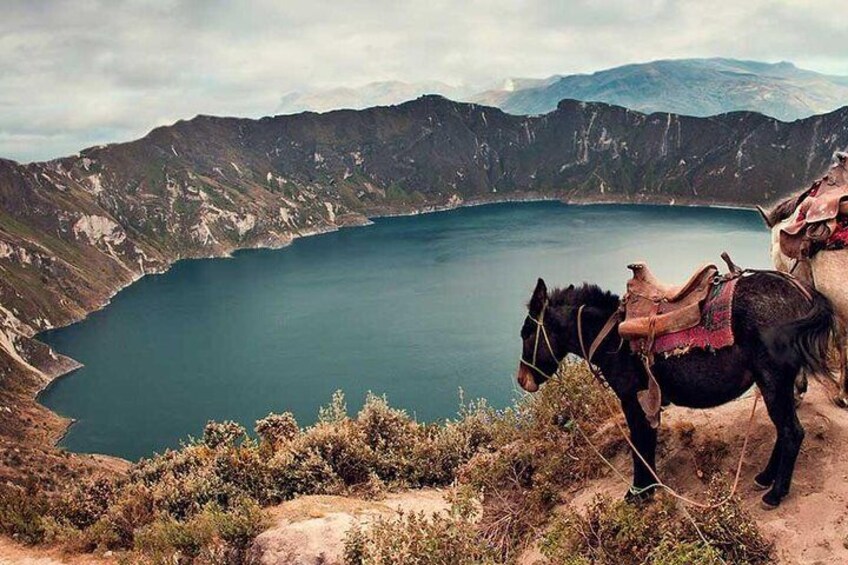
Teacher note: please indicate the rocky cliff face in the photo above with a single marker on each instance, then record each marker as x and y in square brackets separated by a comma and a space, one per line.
[75, 230]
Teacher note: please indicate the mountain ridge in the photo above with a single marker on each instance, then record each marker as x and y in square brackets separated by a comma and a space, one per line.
[75, 230]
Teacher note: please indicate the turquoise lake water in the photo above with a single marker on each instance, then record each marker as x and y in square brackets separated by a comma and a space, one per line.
[415, 308]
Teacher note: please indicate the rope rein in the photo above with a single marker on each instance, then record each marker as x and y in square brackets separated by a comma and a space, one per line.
[541, 332]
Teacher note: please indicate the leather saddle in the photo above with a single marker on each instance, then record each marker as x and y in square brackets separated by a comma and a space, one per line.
[817, 212]
[653, 308]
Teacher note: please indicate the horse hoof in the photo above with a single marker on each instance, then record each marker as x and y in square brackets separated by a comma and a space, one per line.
[769, 502]
[639, 497]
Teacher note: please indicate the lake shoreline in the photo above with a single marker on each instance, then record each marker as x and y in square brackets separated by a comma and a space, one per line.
[360, 221]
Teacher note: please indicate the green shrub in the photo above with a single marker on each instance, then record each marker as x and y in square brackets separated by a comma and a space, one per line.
[244, 472]
[415, 539]
[133, 508]
[539, 454]
[657, 533]
[300, 471]
[671, 552]
[21, 514]
[391, 435]
[342, 447]
[226, 534]
[166, 538]
[276, 429]
[223, 434]
[240, 524]
[86, 504]
[731, 530]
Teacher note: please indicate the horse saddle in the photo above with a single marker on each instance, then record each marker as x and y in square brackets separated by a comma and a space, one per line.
[653, 308]
[817, 213]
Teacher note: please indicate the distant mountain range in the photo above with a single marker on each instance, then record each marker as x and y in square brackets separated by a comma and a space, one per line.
[385, 93]
[692, 87]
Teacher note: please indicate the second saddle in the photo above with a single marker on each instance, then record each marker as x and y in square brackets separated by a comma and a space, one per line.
[817, 214]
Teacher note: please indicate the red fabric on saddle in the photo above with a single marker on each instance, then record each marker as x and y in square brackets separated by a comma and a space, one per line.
[839, 238]
[715, 330]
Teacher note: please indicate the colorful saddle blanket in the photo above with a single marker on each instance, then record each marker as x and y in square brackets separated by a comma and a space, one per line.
[715, 330]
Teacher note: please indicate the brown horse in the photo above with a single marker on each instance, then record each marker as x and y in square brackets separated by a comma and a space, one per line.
[777, 333]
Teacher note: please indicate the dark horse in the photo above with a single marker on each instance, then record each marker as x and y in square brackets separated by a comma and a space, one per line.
[778, 331]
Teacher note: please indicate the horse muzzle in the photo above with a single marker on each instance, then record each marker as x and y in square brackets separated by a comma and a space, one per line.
[525, 379]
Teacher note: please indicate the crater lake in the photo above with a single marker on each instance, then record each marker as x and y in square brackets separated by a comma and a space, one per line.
[415, 308]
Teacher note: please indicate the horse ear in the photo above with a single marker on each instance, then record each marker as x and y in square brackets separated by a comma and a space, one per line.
[540, 295]
[766, 217]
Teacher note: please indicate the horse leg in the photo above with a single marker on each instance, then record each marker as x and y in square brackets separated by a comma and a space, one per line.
[765, 479]
[644, 438]
[778, 396]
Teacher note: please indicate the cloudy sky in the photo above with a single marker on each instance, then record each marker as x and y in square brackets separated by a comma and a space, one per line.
[79, 73]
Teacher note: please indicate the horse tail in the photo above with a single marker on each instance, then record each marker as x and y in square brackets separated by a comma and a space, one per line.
[804, 343]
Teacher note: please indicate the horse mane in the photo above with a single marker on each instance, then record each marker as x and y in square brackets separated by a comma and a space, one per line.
[587, 293]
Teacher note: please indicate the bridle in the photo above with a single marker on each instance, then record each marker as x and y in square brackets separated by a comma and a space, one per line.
[541, 331]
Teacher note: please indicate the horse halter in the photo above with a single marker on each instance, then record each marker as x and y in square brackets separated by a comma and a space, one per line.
[541, 331]
[587, 354]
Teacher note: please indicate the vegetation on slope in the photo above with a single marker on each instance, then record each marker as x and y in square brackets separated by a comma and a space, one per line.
[203, 503]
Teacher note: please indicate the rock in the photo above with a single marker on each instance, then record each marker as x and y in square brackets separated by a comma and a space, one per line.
[311, 530]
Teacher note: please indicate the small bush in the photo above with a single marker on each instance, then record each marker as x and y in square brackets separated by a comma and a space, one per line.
[240, 524]
[167, 538]
[134, 508]
[671, 552]
[300, 471]
[214, 531]
[336, 411]
[276, 429]
[223, 434]
[342, 447]
[85, 505]
[21, 514]
[731, 530]
[540, 453]
[415, 539]
[391, 435]
[658, 533]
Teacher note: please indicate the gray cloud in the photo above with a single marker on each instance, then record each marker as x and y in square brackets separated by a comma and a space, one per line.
[73, 74]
